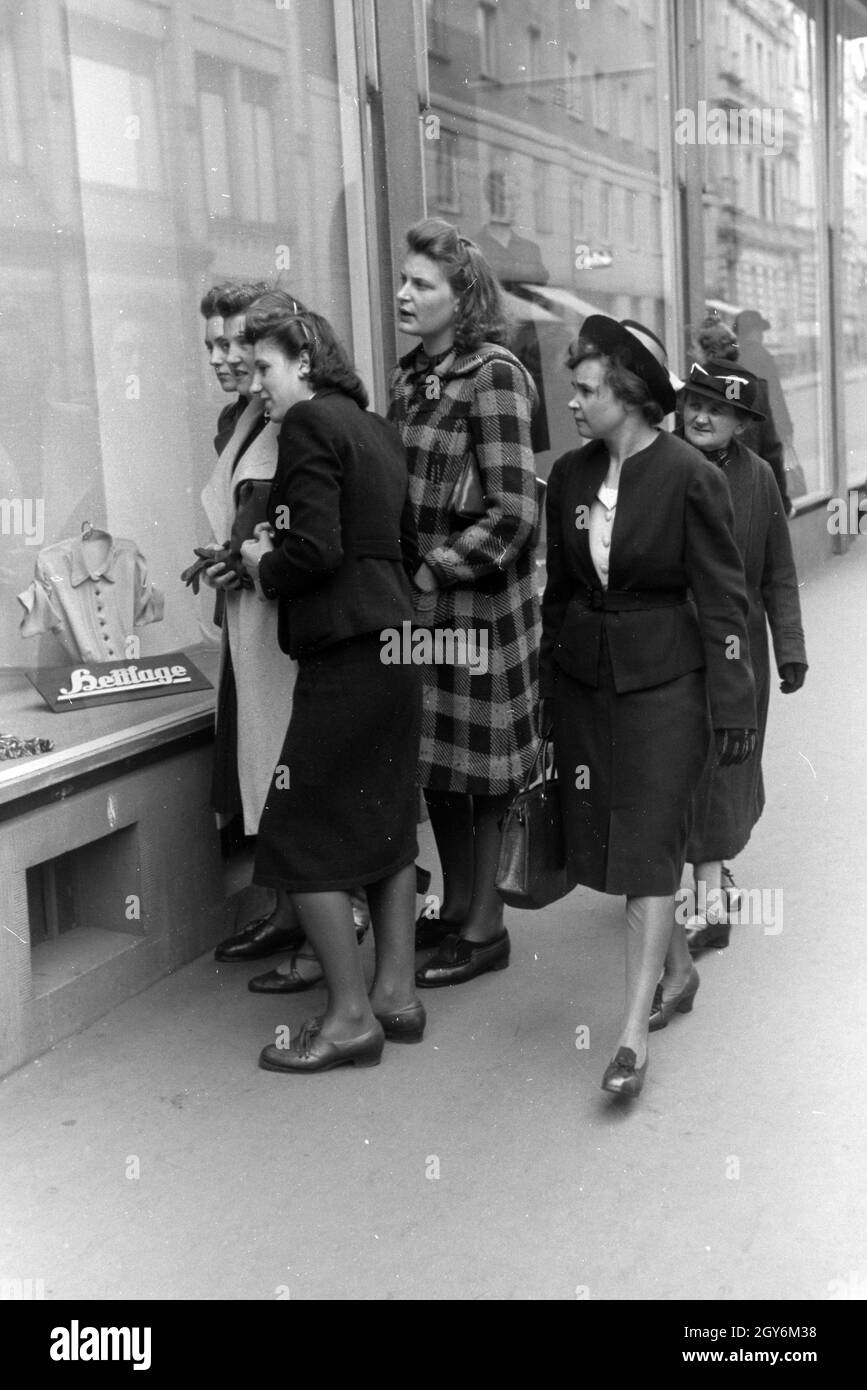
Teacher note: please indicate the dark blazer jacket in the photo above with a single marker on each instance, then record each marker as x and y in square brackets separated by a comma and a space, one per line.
[672, 533]
[342, 567]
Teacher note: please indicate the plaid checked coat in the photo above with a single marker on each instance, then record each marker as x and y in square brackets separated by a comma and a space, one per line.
[477, 727]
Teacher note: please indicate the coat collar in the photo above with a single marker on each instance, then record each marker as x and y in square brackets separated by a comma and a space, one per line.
[417, 362]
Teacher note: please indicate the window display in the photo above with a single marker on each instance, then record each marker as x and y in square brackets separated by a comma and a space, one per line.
[143, 158]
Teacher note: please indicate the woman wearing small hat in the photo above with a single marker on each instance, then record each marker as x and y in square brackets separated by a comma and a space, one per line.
[629, 662]
[719, 402]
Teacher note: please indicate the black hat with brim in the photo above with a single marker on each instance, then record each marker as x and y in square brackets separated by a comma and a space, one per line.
[727, 383]
[609, 337]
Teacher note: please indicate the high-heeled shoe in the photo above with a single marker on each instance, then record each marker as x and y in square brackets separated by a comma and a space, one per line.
[663, 1010]
[405, 1026]
[622, 1077]
[702, 935]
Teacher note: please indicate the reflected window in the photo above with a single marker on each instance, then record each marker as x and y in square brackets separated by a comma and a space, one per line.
[542, 196]
[213, 102]
[487, 22]
[256, 150]
[601, 102]
[11, 141]
[448, 196]
[116, 130]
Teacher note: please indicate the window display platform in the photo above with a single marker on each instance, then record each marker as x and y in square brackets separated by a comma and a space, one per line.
[110, 868]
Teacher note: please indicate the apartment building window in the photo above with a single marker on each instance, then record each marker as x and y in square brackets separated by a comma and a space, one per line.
[542, 196]
[601, 102]
[213, 102]
[11, 140]
[605, 211]
[256, 149]
[116, 129]
[534, 60]
[648, 122]
[436, 28]
[574, 91]
[447, 183]
[626, 111]
[487, 23]
[629, 200]
[579, 211]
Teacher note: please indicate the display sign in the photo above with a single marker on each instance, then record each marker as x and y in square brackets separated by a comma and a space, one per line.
[85, 684]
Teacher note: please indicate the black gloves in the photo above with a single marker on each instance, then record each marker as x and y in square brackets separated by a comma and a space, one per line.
[793, 674]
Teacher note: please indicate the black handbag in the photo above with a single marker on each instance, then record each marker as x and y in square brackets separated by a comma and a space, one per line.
[531, 871]
[467, 499]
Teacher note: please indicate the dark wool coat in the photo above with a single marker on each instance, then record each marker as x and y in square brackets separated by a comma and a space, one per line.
[477, 728]
[630, 669]
[730, 799]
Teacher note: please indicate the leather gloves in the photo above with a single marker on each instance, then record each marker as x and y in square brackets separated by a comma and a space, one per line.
[793, 674]
[209, 556]
[734, 746]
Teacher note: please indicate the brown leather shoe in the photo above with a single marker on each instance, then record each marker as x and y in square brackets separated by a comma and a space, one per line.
[458, 960]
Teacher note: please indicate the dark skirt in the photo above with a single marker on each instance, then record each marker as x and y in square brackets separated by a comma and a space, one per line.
[342, 808]
[627, 820]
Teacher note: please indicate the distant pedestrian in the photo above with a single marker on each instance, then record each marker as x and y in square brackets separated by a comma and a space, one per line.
[719, 402]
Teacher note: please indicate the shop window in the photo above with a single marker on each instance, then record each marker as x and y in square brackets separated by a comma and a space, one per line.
[853, 241]
[562, 249]
[11, 138]
[760, 221]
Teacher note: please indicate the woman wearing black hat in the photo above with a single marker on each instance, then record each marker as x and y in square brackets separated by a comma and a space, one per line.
[628, 661]
[719, 402]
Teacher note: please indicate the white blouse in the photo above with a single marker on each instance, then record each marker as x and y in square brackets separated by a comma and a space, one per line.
[602, 515]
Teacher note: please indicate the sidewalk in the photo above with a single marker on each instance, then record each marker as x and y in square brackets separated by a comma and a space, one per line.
[739, 1173]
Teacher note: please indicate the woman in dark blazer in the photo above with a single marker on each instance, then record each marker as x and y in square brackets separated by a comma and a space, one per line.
[719, 403]
[628, 660]
[341, 810]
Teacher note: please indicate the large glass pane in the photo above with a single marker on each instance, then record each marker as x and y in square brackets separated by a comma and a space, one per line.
[854, 238]
[147, 152]
[546, 151]
[756, 128]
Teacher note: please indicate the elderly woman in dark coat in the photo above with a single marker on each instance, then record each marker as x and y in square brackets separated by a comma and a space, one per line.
[719, 404]
[630, 663]
[458, 395]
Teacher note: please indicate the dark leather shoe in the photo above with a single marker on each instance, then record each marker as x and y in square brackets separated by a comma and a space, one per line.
[662, 1011]
[711, 934]
[259, 939]
[290, 982]
[432, 931]
[622, 1077]
[310, 1052]
[406, 1026]
[458, 960]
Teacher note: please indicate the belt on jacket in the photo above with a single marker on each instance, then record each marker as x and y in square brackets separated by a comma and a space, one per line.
[629, 600]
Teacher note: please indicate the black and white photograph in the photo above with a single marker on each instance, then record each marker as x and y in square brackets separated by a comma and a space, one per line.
[433, 644]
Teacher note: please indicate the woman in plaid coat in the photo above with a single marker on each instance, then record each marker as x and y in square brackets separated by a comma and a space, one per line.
[460, 394]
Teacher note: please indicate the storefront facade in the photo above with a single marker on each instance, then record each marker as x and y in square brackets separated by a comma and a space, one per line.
[650, 159]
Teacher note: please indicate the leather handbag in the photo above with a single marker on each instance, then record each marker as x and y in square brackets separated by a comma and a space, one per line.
[467, 500]
[531, 871]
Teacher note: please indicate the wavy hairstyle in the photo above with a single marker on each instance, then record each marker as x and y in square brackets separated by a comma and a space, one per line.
[271, 317]
[481, 316]
[232, 297]
[716, 340]
[624, 383]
